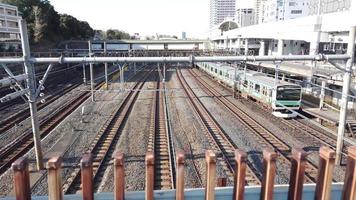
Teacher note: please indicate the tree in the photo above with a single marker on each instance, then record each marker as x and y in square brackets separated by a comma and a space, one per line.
[44, 24]
[114, 34]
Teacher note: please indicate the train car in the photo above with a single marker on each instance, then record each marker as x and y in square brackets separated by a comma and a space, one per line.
[281, 97]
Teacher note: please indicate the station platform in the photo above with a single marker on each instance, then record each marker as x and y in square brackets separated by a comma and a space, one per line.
[326, 114]
[222, 193]
[299, 68]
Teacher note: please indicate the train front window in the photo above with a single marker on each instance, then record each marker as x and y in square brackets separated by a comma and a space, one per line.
[291, 93]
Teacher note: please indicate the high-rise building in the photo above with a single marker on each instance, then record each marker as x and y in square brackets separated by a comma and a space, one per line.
[328, 6]
[9, 27]
[245, 17]
[220, 10]
[276, 10]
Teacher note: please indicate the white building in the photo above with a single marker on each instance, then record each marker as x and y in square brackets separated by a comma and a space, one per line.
[220, 10]
[276, 10]
[245, 17]
[9, 27]
[328, 6]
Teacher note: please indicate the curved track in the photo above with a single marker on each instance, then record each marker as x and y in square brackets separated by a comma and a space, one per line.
[219, 140]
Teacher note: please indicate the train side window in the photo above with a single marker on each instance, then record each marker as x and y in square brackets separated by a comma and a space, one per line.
[251, 85]
[257, 88]
[212, 69]
[216, 71]
[220, 73]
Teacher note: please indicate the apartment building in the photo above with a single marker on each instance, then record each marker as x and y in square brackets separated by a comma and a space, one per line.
[276, 10]
[9, 27]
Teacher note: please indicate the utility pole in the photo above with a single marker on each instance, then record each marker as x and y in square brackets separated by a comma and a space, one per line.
[91, 73]
[31, 85]
[345, 93]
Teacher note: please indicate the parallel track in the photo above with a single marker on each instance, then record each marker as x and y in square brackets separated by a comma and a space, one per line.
[24, 143]
[103, 145]
[220, 141]
[18, 117]
[264, 136]
[160, 143]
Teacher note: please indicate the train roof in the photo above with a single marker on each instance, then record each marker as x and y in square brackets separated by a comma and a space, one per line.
[255, 76]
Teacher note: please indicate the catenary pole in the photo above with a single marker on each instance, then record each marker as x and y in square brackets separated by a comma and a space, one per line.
[345, 92]
[106, 66]
[91, 72]
[31, 85]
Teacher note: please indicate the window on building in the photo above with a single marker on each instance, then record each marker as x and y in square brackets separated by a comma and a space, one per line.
[296, 12]
[292, 3]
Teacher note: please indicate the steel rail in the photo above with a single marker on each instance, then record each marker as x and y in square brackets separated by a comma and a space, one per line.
[264, 135]
[103, 144]
[222, 143]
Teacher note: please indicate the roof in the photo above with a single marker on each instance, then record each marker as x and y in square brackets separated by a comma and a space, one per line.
[252, 75]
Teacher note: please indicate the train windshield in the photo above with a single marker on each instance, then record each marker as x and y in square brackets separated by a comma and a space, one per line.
[291, 93]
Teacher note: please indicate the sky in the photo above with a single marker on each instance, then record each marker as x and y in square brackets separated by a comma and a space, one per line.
[146, 17]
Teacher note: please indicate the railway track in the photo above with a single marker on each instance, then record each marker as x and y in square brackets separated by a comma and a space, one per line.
[11, 121]
[220, 141]
[161, 144]
[22, 144]
[295, 124]
[264, 136]
[103, 145]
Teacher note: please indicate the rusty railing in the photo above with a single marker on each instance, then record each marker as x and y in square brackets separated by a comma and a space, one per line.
[295, 191]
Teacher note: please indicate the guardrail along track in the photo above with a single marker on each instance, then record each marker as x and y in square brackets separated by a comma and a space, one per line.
[264, 136]
[160, 143]
[104, 143]
[220, 141]
[24, 143]
[12, 120]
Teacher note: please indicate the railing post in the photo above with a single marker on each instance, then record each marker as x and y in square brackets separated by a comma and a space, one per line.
[119, 176]
[240, 174]
[150, 165]
[222, 182]
[299, 158]
[269, 173]
[210, 175]
[21, 179]
[349, 190]
[55, 191]
[86, 165]
[180, 176]
[325, 173]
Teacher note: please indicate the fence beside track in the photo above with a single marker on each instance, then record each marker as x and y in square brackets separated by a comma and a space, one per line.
[323, 185]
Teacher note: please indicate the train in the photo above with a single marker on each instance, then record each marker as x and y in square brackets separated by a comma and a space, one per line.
[281, 97]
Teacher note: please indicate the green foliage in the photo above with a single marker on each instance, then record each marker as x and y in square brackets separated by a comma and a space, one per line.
[114, 34]
[46, 25]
